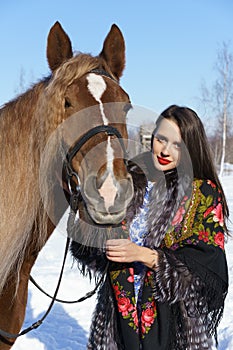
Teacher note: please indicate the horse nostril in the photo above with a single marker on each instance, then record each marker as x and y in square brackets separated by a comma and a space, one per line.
[99, 180]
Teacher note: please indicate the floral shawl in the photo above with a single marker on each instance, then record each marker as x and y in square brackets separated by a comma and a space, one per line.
[181, 302]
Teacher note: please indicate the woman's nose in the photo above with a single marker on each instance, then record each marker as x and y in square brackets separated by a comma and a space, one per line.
[164, 155]
[165, 151]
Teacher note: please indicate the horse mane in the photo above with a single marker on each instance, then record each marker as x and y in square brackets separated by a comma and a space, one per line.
[26, 124]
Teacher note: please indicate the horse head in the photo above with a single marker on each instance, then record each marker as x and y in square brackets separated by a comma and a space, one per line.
[93, 121]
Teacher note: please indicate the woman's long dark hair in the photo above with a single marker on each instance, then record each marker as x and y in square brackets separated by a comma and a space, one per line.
[195, 147]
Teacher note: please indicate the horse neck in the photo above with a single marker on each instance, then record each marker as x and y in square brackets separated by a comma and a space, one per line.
[20, 194]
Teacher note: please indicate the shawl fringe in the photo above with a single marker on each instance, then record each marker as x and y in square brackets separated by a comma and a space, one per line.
[177, 282]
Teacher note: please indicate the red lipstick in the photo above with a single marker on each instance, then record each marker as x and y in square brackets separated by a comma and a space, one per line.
[163, 161]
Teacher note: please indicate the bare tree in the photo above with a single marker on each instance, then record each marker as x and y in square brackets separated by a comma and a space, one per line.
[219, 100]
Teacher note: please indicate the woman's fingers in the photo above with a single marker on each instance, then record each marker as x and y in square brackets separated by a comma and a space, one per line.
[121, 250]
[115, 247]
[112, 243]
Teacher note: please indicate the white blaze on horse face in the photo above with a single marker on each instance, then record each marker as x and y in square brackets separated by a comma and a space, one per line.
[108, 191]
[97, 86]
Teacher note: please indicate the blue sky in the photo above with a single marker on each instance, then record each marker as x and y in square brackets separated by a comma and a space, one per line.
[171, 45]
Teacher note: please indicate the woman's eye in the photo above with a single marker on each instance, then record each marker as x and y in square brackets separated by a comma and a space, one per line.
[177, 145]
[161, 139]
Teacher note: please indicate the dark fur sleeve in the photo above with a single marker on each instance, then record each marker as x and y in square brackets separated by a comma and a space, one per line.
[103, 332]
[90, 260]
[136, 168]
[172, 279]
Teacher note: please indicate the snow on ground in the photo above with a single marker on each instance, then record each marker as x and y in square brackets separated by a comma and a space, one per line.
[67, 325]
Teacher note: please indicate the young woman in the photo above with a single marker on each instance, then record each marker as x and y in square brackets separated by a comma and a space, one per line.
[168, 280]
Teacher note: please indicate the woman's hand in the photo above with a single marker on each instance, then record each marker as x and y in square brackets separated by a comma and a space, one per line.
[125, 251]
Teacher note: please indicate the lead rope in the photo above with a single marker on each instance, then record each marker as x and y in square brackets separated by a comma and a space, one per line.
[86, 296]
[36, 324]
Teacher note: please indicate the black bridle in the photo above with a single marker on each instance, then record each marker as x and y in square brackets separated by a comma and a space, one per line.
[70, 172]
[107, 129]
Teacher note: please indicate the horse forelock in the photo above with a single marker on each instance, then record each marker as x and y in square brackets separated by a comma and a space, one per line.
[51, 102]
[71, 70]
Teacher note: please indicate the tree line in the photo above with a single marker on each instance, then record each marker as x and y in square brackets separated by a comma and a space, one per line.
[218, 101]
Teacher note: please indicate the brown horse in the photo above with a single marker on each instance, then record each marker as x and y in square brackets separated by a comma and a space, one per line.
[30, 207]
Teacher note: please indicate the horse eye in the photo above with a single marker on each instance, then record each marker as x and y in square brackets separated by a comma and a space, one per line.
[67, 103]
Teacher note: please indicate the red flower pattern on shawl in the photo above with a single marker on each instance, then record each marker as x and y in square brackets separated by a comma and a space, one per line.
[203, 236]
[219, 239]
[148, 316]
[179, 216]
[124, 306]
[131, 277]
[127, 303]
[218, 214]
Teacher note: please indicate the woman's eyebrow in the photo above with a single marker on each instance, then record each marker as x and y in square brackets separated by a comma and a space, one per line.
[162, 136]
[158, 135]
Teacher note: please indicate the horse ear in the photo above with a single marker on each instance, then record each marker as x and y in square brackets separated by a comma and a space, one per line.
[59, 46]
[113, 51]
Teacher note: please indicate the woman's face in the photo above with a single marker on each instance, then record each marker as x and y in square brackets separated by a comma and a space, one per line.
[167, 145]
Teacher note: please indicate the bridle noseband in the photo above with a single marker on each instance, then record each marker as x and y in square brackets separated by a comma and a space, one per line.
[67, 166]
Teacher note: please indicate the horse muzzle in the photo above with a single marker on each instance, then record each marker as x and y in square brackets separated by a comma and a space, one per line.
[107, 204]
